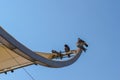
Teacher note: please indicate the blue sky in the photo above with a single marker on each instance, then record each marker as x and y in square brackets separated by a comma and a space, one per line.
[43, 25]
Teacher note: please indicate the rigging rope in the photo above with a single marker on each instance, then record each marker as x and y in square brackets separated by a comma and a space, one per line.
[19, 64]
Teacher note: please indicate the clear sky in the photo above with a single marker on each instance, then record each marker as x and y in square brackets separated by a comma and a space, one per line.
[43, 25]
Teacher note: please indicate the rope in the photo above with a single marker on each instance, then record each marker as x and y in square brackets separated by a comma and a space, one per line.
[28, 74]
[19, 64]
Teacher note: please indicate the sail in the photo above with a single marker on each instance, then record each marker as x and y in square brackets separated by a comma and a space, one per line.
[14, 55]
